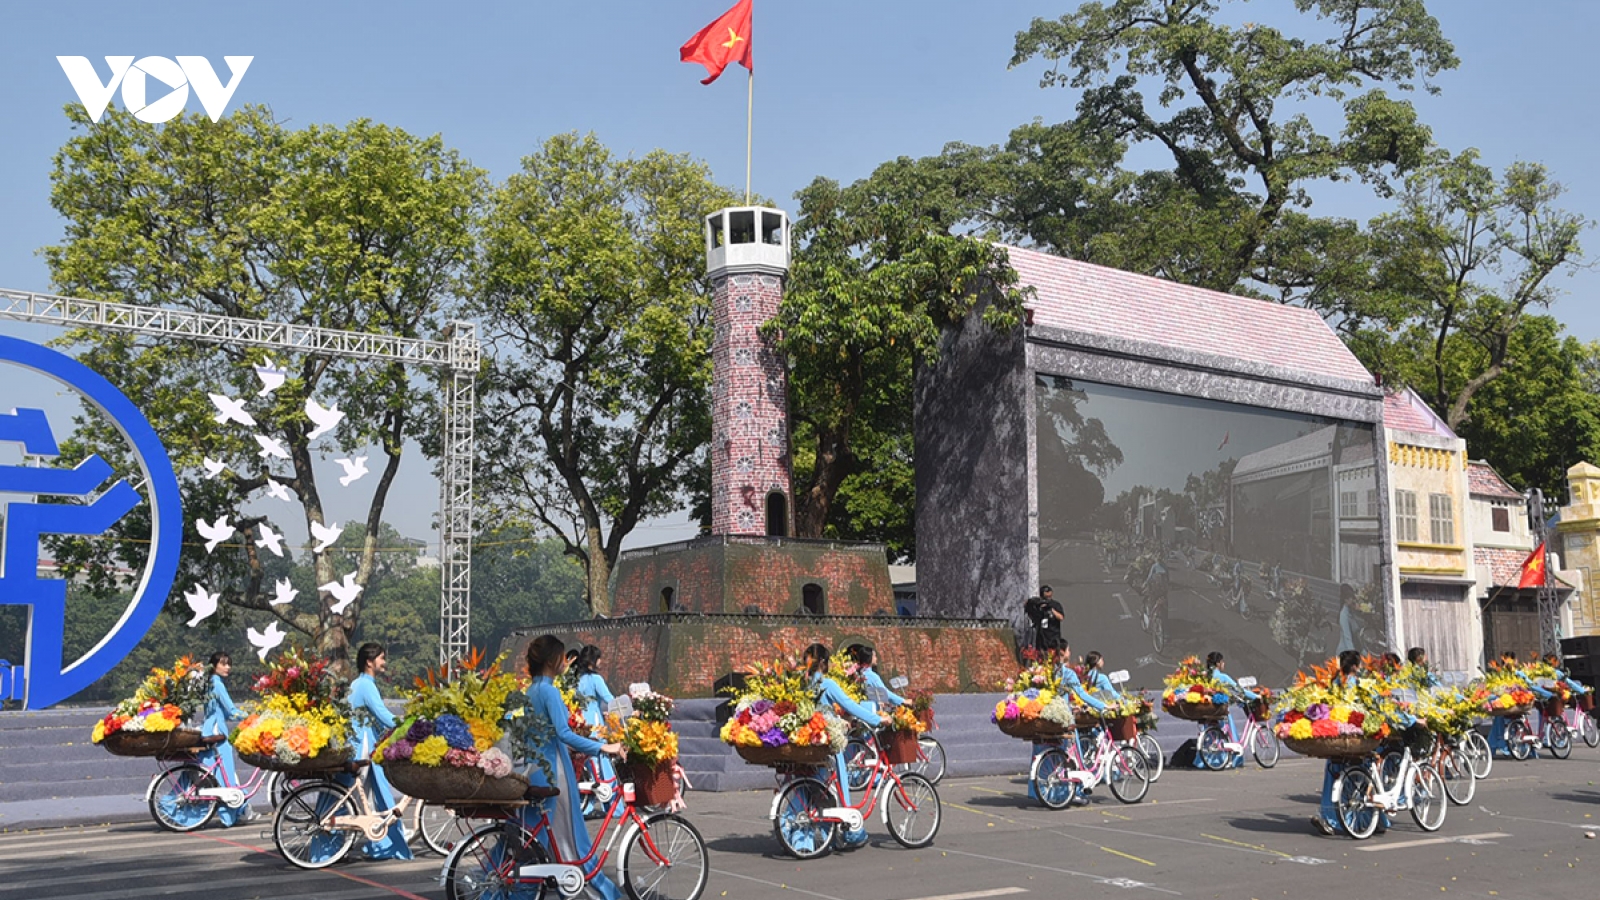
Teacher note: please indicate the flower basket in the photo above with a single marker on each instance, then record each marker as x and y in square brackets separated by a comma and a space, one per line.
[785, 754]
[1341, 746]
[1553, 708]
[1511, 711]
[899, 746]
[1195, 712]
[925, 716]
[1586, 702]
[1123, 728]
[438, 784]
[652, 783]
[1031, 729]
[326, 761]
[151, 743]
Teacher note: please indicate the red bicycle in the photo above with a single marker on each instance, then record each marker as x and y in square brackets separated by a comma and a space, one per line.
[808, 808]
[661, 857]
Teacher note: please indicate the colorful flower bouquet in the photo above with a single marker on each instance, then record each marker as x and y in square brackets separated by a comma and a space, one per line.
[1320, 718]
[650, 746]
[922, 706]
[151, 722]
[1191, 693]
[301, 723]
[462, 726]
[1503, 692]
[897, 736]
[777, 721]
[1034, 707]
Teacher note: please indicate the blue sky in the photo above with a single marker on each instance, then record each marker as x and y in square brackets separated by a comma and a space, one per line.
[840, 88]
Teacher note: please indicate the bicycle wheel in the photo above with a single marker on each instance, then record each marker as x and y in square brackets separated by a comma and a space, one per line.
[1129, 775]
[1476, 746]
[1389, 771]
[175, 801]
[438, 827]
[1455, 770]
[859, 761]
[1154, 760]
[1264, 747]
[911, 811]
[301, 829]
[1211, 751]
[483, 867]
[1558, 738]
[665, 859]
[930, 759]
[1356, 816]
[1589, 730]
[1520, 737]
[1428, 803]
[1050, 778]
[797, 820]
[1158, 632]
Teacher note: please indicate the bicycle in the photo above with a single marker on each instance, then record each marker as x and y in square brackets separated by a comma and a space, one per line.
[807, 810]
[1153, 617]
[1450, 760]
[185, 795]
[319, 821]
[1521, 740]
[1581, 722]
[594, 789]
[1476, 748]
[1059, 774]
[1217, 748]
[1363, 794]
[1557, 734]
[861, 752]
[661, 855]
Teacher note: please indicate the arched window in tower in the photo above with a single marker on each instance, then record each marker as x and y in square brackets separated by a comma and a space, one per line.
[668, 604]
[777, 515]
[812, 600]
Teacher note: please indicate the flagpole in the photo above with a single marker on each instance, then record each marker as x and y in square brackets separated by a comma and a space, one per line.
[749, 121]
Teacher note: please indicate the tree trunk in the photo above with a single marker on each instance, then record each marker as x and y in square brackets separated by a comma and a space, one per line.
[833, 464]
[598, 573]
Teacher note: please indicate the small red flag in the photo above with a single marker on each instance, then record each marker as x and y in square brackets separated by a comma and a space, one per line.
[727, 40]
[1533, 570]
[1225, 436]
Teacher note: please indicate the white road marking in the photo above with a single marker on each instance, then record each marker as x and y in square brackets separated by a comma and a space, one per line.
[781, 887]
[976, 895]
[1122, 603]
[1425, 842]
[1114, 882]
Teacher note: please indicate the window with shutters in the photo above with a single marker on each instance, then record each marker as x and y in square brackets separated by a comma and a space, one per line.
[1405, 516]
[1441, 519]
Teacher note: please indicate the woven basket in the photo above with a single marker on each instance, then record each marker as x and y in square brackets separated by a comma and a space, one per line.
[438, 784]
[1195, 712]
[785, 754]
[1586, 702]
[1343, 745]
[1511, 711]
[325, 761]
[151, 743]
[1123, 728]
[1553, 708]
[899, 746]
[652, 784]
[1031, 729]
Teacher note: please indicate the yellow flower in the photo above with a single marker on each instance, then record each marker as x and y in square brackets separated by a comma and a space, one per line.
[430, 752]
[99, 732]
[1193, 697]
[1300, 730]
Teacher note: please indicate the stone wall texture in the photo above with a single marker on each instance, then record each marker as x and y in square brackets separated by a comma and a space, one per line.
[749, 403]
[731, 574]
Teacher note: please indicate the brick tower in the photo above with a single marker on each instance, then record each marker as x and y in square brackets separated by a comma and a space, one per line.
[747, 257]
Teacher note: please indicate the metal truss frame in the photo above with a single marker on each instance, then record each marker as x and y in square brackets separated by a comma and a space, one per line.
[458, 353]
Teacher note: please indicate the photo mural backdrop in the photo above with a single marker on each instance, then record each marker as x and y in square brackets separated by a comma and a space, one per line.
[1259, 527]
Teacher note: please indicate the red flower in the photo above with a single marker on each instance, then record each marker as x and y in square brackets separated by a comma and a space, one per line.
[783, 709]
[1325, 728]
[1293, 716]
[1356, 718]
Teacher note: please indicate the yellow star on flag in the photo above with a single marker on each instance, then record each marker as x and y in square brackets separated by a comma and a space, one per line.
[733, 38]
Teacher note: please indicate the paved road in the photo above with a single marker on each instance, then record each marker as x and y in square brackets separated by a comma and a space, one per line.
[1199, 834]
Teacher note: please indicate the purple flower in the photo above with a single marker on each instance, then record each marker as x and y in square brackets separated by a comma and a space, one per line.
[774, 738]
[399, 750]
[1031, 693]
[1317, 712]
[420, 730]
[760, 706]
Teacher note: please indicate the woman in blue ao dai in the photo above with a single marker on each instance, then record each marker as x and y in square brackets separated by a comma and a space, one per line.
[568, 837]
[828, 693]
[219, 711]
[371, 661]
[597, 696]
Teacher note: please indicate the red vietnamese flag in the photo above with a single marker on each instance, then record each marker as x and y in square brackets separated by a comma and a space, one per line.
[1533, 570]
[727, 40]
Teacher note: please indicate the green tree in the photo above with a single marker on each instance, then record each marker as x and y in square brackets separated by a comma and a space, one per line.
[521, 581]
[361, 228]
[1232, 110]
[594, 296]
[882, 267]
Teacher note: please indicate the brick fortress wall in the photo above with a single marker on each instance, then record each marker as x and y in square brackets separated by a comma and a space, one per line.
[728, 574]
[684, 658]
[749, 400]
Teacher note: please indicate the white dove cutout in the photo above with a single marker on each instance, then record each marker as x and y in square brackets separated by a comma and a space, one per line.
[345, 592]
[276, 490]
[353, 469]
[213, 467]
[264, 641]
[271, 447]
[270, 539]
[231, 410]
[271, 377]
[285, 593]
[325, 419]
[325, 535]
[214, 532]
[203, 602]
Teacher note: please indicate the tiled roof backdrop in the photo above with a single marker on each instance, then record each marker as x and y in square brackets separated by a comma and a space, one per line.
[1084, 297]
[1483, 479]
[1404, 410]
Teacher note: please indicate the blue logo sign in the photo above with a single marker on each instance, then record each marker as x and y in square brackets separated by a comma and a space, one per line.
[48, 677]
